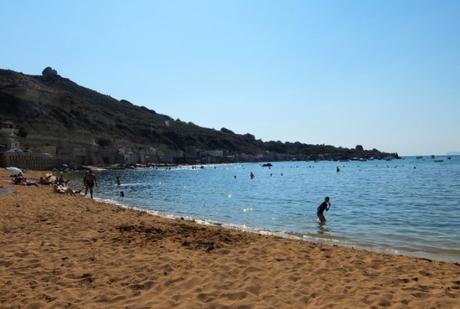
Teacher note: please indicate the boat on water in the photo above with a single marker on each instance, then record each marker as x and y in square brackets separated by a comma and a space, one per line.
[438, 160]
[267, 165]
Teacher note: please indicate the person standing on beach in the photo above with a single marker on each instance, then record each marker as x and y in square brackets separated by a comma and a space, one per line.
[323, 207]
[89, 181]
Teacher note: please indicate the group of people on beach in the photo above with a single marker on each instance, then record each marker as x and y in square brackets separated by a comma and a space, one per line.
[61, 185]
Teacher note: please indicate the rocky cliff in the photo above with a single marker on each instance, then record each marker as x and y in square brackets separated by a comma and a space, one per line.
[53, 115]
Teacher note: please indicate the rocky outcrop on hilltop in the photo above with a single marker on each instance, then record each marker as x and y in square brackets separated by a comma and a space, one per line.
[49, 114]
[50, 74]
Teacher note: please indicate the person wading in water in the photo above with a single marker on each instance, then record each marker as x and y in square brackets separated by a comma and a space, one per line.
[323, 207]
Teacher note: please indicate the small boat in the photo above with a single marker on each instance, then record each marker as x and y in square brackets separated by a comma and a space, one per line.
[438, 160]
[267, 165]
[449, 158]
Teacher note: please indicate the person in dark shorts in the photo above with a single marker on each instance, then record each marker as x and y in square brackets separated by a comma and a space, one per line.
[323, 207]
[89, 181]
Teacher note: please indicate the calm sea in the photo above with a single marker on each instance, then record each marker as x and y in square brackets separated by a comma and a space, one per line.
[409, 206]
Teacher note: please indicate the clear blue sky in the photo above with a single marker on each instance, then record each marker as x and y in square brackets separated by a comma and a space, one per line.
[384, 74]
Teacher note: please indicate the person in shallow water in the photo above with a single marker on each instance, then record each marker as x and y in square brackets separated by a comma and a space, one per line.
[323, 207]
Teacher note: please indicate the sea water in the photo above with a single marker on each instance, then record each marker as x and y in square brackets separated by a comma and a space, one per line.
[409, 206]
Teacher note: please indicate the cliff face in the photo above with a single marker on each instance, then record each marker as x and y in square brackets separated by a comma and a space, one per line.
[51, 114]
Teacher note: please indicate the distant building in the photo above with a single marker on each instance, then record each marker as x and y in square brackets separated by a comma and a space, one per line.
[214, 153]
[8, 137]
[11, 153]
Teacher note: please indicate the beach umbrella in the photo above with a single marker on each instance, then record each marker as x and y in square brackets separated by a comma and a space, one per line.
[14, 170]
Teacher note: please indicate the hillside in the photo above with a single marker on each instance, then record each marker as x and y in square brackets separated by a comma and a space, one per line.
[53, 115]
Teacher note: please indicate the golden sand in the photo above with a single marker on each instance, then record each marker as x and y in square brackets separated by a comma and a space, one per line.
[58, 251]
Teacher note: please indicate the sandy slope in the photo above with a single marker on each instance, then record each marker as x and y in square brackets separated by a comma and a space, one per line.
[60, 251]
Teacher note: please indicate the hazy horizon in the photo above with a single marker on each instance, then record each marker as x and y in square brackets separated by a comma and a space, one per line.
[382, 75]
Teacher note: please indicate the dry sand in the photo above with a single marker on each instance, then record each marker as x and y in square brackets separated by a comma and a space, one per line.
[60, 251]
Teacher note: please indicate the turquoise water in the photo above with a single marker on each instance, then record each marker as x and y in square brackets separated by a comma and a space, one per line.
[409, 206]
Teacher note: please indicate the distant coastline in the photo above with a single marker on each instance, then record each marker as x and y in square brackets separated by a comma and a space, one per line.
[47, 120]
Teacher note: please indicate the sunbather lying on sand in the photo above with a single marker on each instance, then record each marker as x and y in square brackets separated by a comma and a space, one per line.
[63, 189]
[21, 180]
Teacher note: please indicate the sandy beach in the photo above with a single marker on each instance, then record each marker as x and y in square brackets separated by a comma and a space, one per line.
[59, 251]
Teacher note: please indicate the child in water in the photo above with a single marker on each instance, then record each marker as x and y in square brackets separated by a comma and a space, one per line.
[323, 207]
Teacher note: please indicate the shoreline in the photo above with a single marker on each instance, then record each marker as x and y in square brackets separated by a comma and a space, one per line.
[390, 245]
[59, 250]
[315, 239]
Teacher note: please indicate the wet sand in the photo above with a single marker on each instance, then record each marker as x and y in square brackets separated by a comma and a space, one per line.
[61, 251]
